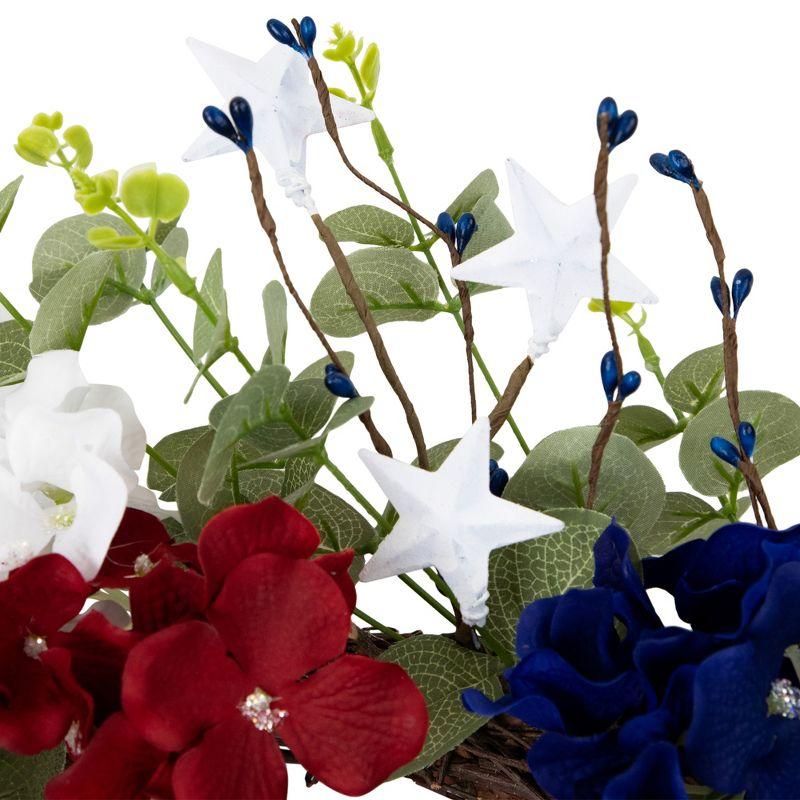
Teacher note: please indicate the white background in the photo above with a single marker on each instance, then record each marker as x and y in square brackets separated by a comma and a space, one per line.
[464, 85]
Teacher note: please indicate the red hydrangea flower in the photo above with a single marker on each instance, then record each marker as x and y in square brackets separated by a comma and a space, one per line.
[212, 699]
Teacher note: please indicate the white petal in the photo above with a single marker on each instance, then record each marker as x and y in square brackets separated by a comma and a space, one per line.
[23, 534]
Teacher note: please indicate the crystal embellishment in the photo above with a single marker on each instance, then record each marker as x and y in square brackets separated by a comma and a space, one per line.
[784, 699]
[257, 708]
[34, 646]
[142, 565]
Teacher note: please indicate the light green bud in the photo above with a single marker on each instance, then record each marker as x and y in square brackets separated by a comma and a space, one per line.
[53, 121]
[147, 194]
[77, 137]
[97, 191]
[617, 306]
[342, 49]
[341, 93]
[36, 144]
[371, 67]
[105, 238]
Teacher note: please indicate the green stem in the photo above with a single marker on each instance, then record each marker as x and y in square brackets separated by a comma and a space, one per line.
[372, 622]
[347, 484]
[440, 583]
[12, 309]
[236, 491]
[427, 597]
[498, 649]
[161, 461]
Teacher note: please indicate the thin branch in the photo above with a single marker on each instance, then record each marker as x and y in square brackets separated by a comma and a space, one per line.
[469, 334]
[612, 414]
[268, 224]
[730, 347]
[505, 403]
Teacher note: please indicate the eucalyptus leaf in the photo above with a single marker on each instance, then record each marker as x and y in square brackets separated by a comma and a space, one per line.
[348, 410]
[696, 381]
[555, 475]
[15, 352]
[777, 422]
[482, 185]
[267, 438]
[25, 777]
[67, 310]
[65, 245]
[442, 670]
[172, 449]
[176, 243]
[257, 403]
[213, 292]
[370, 225]
[274, 301]
[542, 567]
[646, 426]
[396, 285]
[7, 196]
[439, 452]
[340, 526]
[307, 400]
[493, 228]
[298, 473]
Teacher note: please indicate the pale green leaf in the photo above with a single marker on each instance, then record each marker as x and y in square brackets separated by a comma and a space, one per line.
[442, 670]
[645, 426]
[396, 285]
[274, 301]
[64, 245]
[172, 449]
[493, 228]
[348, 410]
[555, 475]
[340, 526]
[542, 567]
[213, 292]
[482, 185]
[697, 380]
[15, 352]
[299, 472]
[25, 777]
[176, 243]
[439, 452]
[370, 225]
[257, 403]
[7, 196]
[67, 310]
[777, 422]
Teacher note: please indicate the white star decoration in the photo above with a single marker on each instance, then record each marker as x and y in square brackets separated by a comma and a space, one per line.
[555, 255]
[450, 520]
[285, 111]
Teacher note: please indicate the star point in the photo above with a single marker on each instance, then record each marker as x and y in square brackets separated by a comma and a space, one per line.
[555, 255]
[449, 519]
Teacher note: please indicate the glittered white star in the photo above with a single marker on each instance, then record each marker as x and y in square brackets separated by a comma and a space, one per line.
[450, 520]
[555, 255]
[285, 111]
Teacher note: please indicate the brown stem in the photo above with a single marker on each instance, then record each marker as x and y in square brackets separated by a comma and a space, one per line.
[268, 224]
[730, 347]
[614, 406]
[362, 309]
[516, 381]
[469, 335]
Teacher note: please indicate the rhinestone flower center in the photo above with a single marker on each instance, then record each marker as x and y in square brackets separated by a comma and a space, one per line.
[784, 699]
[142, 565]
[34, 646]
[257, 707]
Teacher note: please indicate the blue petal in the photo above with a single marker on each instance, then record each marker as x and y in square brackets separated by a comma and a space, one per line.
[533, 628]
[655, 775]
[536, 711]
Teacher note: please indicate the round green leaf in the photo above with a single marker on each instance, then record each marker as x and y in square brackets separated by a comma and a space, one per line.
[645, 426]
[696, 381]
[370, 225]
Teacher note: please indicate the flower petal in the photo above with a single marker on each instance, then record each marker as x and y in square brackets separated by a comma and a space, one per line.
[234, 761]
[118, 763]
[654, 775]
[337, 566]
[271, 526]
[179, 682]
[24, 534]
[354, 722]
[281, 618]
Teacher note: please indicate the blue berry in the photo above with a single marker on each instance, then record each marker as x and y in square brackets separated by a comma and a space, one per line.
[723, 449]
[242, 116]
[609, 375]
[747, 438]
[716, 292]
[308, 30]
[630, 382]
[740, 288]
[465, 228]
[444, 222]
[281, 33]
[339, 384]
[497, 481]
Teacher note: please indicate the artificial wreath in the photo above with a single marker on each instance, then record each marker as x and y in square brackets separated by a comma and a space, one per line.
[189, 638]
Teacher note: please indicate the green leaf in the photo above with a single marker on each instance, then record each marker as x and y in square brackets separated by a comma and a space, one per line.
[7, 196]
[493, 228]
[213, 292]
[15, 352]
[439, 452]
[348, 410]
[696, 381]
[64, 245]
[555, 475]
[274, 301]
[542, 567]
[307, 400]
[370, 225]
[267, 438]
[257, 403]
[172, 449]
[298, 473]
[396, 286]
[340, 526]
[685, 517]
[176, 242]
[483, 185]
[25, 777]
[777, 422]
[442, 670]
[67, 310]
[645, 426]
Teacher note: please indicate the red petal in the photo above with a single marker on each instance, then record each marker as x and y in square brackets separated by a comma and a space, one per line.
[117, 764]
[234, 761]
[336, 565]
[355, 722]
[180, 681]
[280, 618]
[35, 710]
[166, 595]
[99, 650]
[270, 526]
[138, 533]
[41, 596]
